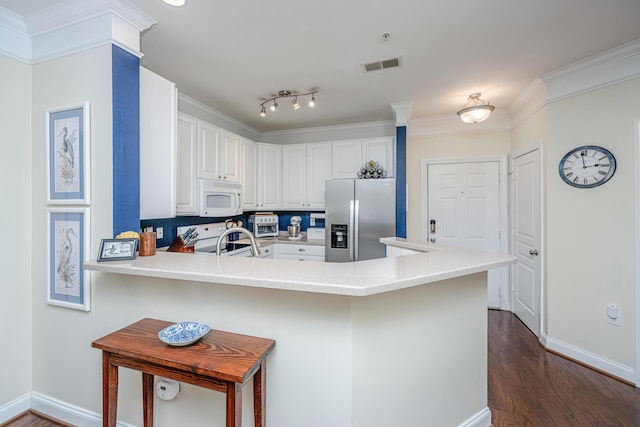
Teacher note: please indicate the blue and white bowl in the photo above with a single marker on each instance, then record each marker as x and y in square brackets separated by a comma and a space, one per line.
[183, 333]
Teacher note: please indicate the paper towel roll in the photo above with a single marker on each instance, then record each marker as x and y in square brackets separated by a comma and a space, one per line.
[612, 311]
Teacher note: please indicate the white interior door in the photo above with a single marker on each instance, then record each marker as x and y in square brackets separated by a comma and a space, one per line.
[526, 233]
[463, 209]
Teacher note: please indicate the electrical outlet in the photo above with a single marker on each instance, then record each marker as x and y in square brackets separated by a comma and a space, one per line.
[312, 222]
[159, 233]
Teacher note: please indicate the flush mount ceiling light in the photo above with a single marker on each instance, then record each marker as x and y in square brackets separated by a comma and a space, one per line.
[475, 110]
[176, 3]
[287, 94]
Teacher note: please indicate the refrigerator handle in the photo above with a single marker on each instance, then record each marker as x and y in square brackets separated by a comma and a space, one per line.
[350, 231]
[356, 231]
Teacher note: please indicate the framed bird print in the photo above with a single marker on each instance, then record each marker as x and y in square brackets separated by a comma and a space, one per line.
[68, 142]
[68, 246]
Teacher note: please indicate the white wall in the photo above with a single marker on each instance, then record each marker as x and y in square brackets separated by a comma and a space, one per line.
[15, 214]
[64, 365]
[590, 233]
[465, 145]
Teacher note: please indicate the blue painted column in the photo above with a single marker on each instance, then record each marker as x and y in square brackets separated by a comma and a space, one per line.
[401, 181]
[125, 70]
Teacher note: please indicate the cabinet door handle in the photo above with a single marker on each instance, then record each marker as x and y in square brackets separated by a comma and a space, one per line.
[301, 259]
[301, 250]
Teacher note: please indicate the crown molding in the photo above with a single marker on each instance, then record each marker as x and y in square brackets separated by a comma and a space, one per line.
[70, 27]
[190, 106]
[609, 67]
[530, 101]
[500, 120]
[14, 37]
[402, 112]
[330, 133]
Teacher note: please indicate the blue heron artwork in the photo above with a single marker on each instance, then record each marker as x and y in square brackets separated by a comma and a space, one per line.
[66, 148]
[68, 140]
[67, 257]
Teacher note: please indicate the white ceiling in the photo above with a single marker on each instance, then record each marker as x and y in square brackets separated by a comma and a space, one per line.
[233, 55]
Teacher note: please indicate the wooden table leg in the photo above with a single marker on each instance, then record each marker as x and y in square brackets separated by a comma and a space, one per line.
[147, 399]
[109, 391]
[234, 404]
[259, 396]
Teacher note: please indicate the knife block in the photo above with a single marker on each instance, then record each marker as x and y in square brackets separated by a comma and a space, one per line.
[178, 246]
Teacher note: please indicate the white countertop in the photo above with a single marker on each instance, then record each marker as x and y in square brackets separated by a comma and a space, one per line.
[355, 278]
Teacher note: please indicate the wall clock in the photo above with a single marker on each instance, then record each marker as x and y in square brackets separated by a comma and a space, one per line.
[587, 166]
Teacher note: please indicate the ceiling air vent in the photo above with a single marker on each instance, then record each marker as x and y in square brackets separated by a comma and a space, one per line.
[381, 64]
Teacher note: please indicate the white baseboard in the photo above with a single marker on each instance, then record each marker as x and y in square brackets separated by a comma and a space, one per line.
[14, 408]
[609, 366]
[54, 408]
[481, 419]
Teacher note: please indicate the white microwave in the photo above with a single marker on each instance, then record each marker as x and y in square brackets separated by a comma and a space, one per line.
[218, 199]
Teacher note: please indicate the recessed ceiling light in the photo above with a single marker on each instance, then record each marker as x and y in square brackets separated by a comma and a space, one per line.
[176, 3]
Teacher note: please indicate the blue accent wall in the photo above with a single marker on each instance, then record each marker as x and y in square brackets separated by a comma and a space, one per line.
[401, 181]
[126, 140]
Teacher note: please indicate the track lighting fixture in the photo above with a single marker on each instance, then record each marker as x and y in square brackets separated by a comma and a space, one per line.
[287, 94]
[475, 110]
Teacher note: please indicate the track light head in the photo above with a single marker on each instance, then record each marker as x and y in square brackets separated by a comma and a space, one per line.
[287, 94]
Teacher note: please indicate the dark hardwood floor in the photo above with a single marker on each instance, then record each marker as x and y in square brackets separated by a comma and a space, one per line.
[528, 386]
[34, 419]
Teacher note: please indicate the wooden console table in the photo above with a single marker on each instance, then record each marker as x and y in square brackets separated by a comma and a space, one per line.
[220, 361]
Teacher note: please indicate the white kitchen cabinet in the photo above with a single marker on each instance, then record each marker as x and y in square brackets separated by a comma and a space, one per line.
[186, 197]
[381, 150]
[249, 174]
[269, 176]
[209, 149]
[230, 157]
[305, 168]
[158, 109]
[294, 177]
[218, 152]
[299, 252]
[349, 156]
[318, 171]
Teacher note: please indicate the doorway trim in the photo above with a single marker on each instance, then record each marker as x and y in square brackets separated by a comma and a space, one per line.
[636, 168]
[505, 293]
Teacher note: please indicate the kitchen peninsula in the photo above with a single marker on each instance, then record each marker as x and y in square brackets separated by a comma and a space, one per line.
[393, 341]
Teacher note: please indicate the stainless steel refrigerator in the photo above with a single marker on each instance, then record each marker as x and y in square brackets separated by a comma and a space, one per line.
[358, 213]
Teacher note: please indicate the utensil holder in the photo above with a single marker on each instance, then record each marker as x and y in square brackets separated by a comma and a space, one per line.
[178, 246]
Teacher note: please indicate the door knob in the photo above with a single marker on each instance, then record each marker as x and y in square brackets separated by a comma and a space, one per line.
[533, 252]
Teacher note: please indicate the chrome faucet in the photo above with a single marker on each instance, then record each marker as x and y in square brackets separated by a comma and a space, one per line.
[254, 245]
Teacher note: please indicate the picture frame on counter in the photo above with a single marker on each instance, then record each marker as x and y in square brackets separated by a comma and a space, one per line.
[68, 246]
[68, 154]
[117, 249]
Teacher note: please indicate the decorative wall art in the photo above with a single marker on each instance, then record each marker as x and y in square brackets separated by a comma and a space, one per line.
[68, 142]
[68, 246]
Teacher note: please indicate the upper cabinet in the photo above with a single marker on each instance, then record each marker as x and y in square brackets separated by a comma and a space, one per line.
[305, 168]
[218, 154]
[269, 176]
[186, 198]
[249, 175]
[349, 156]
[158, 109]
